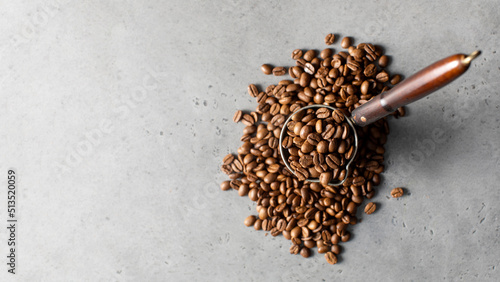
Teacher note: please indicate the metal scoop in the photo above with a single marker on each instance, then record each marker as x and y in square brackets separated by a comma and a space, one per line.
[410, 90]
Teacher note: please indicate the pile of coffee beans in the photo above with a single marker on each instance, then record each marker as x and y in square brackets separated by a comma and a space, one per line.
[318, 143]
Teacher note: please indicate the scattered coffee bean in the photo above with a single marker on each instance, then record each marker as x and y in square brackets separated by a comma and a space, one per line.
[397, 192]
[279, 71]
[224, 186]
[346, 42]
[237, 116]
[331, 258]
[252, 90]
[250, 220]
[266, 69]
[297, 54]
[395, 79]
[383, 61]
[305, 252]
[370, 208]
[330, 39]
[247, 120]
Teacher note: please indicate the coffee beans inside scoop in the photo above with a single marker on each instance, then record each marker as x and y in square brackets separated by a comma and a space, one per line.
[319, 143]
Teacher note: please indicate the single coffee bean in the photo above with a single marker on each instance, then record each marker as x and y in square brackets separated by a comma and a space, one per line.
[237, 116]
[328, 132]
[252, 90]
[370, 52]
[250, 220]
[305, 131]
[326, 53]
[279, 71]
[383, 61]
[296, 232]
[294, 249]
[309, 55]
[358, 181]
[297, 54]
[370, 70]
[322, 113]
[224, 186]
[338, 116]
[314, 138]
[397, 192]
[370, 208]
[309, 68]
[228, 159]
[258, 224]
[243, 190]
[346, 42]
[325, 178]
[263, 214]
[331, 258]
[336, 249]
[266, 69]
[330, 39]
[305, 252]
[382, 76]
[351, 208]
[247, 120]
[395, 79]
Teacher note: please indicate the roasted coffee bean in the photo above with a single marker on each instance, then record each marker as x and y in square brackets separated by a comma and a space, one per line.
[370, 70]
[309, 55]
[297, 54]
[325, 178]
[252, 90]
[346, 42]
[306, 161]
[224, 186]
[228, 159]
[258, 224]
[395, 79]
[358, 181]
[305, 131]
[247, 120]
[382, 76]
[314, 138]
[397, 192]
[330, 39]
[328, 132]
[309, 68]
[250, 220]
[294, 249]
[383, 61]
[305, 252]
[331, 258]
[322, 113]
[370, 208]
[237, 116]
[370, 52]
[266, 69]
[279, 71]
[336, 249]
[338, 116]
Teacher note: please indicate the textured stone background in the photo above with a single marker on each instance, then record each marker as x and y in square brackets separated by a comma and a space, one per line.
[116, 115]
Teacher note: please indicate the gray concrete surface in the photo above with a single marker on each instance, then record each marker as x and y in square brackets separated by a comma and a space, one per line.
[116, 115]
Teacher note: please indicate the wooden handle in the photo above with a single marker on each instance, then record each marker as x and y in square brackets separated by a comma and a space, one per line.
[413, 88]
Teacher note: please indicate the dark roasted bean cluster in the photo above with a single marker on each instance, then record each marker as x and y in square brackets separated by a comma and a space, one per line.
[318, 144]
